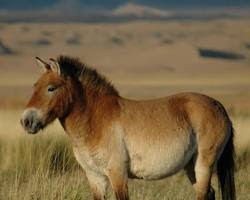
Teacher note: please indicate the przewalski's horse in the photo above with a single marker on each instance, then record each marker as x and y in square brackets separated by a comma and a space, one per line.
[115, 138]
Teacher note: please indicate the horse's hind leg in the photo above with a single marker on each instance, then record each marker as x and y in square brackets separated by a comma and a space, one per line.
[200, 177]
[203, 174]
[190, 171]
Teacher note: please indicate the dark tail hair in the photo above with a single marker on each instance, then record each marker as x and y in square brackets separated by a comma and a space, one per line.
[225, 170]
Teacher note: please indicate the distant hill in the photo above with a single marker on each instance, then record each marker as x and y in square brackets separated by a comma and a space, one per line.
[135, 10]
[108, 4]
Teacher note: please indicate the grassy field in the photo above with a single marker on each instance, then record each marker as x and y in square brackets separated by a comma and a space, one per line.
[42, 167]
[144, 60]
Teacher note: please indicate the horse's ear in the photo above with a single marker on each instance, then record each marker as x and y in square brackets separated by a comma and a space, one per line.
[42, 64]
[55, 66]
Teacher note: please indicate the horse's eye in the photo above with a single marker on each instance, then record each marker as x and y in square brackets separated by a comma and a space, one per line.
[51, 88]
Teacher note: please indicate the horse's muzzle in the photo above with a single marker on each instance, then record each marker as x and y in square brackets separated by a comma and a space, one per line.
[31, 121]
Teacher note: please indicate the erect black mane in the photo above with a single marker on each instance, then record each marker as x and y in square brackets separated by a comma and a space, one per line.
[89, 77]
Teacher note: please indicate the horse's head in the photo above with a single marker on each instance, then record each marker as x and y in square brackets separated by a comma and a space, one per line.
[52, 97]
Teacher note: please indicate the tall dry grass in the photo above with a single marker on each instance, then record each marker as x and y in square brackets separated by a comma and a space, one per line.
[42, 167]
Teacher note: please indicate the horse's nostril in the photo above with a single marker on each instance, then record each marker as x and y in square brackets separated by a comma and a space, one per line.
[27, 123]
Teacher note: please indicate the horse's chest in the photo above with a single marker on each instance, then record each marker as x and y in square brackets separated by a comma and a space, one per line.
[86, 160]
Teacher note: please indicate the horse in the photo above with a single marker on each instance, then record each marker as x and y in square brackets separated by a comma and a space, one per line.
[115, 138]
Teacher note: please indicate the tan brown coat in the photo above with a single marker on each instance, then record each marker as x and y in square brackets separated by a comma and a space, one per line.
[115, 138]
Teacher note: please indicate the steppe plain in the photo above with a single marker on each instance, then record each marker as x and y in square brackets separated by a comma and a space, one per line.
[144, 60]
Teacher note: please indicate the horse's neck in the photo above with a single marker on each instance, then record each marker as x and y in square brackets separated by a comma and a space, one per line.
[74, 121]
[87, 120]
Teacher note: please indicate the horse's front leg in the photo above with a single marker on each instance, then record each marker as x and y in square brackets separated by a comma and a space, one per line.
[118, 178]
[98, 184]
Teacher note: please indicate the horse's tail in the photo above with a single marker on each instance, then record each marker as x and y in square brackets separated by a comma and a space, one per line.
[225, 169]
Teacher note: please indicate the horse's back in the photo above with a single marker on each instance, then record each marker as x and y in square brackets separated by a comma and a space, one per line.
[162, 135]
[183, 110]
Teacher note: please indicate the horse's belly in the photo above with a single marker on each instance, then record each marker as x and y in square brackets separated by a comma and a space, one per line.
[160, 162]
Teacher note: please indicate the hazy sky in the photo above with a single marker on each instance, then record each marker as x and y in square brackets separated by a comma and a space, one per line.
[28, 4]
